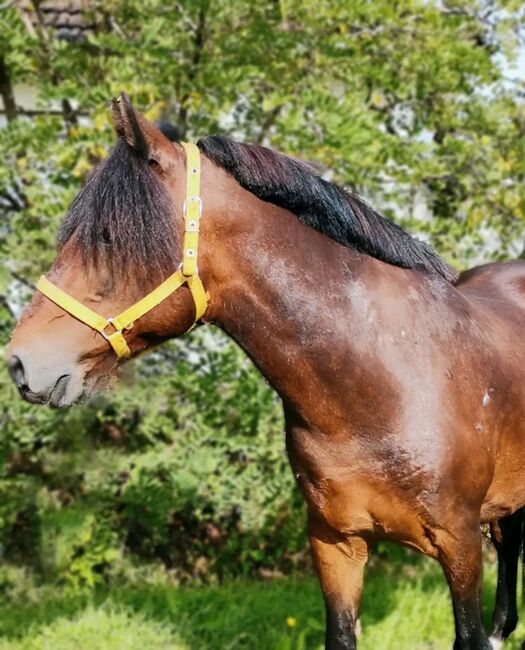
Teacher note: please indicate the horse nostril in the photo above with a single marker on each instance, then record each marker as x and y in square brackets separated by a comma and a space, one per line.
[16, 370]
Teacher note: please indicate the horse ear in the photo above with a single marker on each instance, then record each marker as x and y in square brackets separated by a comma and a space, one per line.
[127, 125]
[148, 141]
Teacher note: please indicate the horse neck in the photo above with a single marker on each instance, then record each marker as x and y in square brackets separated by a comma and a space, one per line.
[286, 294]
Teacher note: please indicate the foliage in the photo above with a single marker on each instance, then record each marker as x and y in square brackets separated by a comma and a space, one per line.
[405, 101]
[409, 102]
[105, 630]
[185, 464]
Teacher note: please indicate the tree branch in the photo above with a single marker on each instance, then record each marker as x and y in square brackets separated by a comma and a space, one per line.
[268, 123]
[6, 90]
[68, 113]
[22, 280]
[198, 44]
[5, 304]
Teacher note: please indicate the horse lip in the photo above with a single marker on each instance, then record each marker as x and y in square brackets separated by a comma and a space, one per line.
[58, 392]
[33, 398]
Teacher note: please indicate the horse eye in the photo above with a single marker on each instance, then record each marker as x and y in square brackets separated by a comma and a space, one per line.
[106, 239]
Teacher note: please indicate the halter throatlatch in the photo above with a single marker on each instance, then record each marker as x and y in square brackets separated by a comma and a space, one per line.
[188, 273]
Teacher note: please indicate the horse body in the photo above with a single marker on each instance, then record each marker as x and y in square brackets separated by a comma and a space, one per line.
[499, 290]
[441, 450]
[438, 362]
[402, 390]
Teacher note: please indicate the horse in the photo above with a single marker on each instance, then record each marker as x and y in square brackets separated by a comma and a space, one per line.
[401, 381]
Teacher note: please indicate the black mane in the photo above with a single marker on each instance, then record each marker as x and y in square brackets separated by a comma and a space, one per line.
[125, 210]
[294, 185]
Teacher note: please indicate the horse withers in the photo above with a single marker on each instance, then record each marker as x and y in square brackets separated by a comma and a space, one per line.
[402, 384]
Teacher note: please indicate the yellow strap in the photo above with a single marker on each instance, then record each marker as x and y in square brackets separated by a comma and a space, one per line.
[126, 319]
[71, 305]
[200, 297]
[192, 209]
[84, 315]
[118, 343]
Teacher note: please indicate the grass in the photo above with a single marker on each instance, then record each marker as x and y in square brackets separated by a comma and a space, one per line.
[405, 606]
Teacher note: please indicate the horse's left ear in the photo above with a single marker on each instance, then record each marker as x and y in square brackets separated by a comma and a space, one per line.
[140, 134]
[126, 122]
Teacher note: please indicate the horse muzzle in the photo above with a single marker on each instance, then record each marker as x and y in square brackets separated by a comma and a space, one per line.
[43, 386]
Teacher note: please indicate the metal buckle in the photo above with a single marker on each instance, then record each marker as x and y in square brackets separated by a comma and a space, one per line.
[187, 277]
[110, 322]
[195, 199]
[116, 331]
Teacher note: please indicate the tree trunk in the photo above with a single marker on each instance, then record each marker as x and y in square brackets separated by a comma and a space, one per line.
[6, 91]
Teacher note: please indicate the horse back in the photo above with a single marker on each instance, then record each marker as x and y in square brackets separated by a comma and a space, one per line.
[500, 286]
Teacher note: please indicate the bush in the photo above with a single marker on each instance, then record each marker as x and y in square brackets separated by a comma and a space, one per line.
[183, 464]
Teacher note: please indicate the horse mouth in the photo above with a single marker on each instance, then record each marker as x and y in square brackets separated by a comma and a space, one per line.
[32, 398]
[59, 398]
[56, 397]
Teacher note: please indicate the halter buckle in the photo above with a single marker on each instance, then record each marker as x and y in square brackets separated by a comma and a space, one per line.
[110, 321]
[193, 199]
[116, 331]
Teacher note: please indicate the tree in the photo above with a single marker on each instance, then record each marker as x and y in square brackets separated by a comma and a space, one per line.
[397, 99]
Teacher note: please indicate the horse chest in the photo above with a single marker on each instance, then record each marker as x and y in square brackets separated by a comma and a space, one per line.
[336, 485]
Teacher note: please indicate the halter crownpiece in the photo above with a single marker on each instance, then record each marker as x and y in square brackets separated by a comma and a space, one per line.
[187, 273]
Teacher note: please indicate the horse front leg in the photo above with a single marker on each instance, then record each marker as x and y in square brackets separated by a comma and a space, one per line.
[506, 536]
[340, 563]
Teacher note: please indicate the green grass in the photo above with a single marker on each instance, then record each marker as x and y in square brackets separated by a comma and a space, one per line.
[405, 606]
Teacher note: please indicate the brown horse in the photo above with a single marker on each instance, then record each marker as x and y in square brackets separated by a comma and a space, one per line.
[401, 384]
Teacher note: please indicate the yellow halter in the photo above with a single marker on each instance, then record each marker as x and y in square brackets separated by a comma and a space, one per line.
[187, 273]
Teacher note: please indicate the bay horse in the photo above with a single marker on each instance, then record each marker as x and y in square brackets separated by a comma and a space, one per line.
[401, 383]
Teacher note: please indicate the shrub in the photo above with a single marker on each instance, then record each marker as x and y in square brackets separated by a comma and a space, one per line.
[183, 464]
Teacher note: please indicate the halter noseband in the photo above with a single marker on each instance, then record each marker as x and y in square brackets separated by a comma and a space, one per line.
[188, 273]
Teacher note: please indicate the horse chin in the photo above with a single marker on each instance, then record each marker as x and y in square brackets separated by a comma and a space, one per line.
[100, 384]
